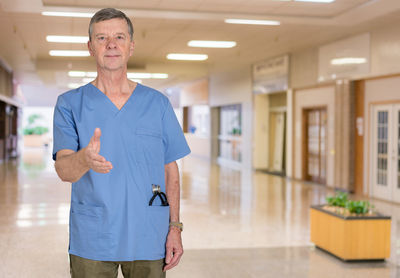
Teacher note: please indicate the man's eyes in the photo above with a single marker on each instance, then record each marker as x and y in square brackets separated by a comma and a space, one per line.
[103, 38]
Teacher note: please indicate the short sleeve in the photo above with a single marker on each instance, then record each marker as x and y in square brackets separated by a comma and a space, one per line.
[175, 144]
[64, 128]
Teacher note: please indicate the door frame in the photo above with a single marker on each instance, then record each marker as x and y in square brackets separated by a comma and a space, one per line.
[304, 142]
[391, 194]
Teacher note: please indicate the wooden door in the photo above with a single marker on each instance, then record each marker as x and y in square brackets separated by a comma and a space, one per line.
[314, 144]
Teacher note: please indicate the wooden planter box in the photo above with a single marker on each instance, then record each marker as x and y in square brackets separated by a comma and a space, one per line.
[352, 237]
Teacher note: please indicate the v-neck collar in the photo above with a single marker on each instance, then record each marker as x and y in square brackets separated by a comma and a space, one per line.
[108, 101]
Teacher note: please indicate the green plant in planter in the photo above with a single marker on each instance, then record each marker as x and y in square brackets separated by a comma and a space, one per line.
[341, 200]
[358, 207]
[31, 129]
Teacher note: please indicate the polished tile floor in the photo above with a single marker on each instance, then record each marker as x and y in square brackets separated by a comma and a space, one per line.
[237, 224]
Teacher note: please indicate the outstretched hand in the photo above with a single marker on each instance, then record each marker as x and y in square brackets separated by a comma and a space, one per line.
[93, 160]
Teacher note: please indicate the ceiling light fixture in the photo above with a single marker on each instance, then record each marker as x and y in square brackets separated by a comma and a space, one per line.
[68, 14]
[212, 44]
[316, 1]
[187, 57]
[69, 53]
[74, 85]
[87, 80]
[68, 39]
[145, 75]
[89, 75]
[348, 61]
[250, 21]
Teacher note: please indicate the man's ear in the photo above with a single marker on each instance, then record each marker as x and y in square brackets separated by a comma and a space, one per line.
[131, 48]
[89, 45]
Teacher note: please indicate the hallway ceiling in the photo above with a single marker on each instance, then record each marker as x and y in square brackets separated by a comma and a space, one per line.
[165, 26]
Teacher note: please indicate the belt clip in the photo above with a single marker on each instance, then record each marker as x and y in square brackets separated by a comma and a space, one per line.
[157, 192]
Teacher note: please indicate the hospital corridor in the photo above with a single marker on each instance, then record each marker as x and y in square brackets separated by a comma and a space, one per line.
[290, 108]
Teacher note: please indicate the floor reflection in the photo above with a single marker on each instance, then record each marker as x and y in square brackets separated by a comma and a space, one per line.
[237, 224]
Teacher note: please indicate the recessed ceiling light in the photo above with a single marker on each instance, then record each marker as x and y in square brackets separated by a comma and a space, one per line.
[68, 14]
[250, 21]
[89, 75]
[76, 73]
[212, 44]
[316, 1]
[74, 85]
[348, 61]
[187, 57]
[87, 79]
[145, 75]
[68, 39]
[69, 53]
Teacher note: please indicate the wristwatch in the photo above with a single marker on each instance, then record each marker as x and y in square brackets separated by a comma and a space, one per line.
[179, 225]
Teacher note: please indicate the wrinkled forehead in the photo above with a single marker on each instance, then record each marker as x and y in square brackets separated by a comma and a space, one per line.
[111, 26]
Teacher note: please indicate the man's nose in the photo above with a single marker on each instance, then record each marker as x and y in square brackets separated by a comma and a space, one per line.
[111, 43]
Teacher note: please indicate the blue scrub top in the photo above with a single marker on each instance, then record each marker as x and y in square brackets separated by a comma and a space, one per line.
[110, 216]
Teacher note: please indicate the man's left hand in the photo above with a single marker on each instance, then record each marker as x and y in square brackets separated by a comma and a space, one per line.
[174, 249]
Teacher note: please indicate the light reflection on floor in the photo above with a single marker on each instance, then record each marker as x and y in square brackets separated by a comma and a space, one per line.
[237, 224]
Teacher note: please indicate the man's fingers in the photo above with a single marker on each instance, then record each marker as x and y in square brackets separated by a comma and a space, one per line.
[95, 140]
[97, 157]
[97, 134]
[97, 164]
[168, 255]
[174, 260]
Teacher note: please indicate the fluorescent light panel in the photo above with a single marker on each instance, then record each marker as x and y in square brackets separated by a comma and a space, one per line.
[212, 44]
[68, 14]
[348, 61]
[251, 21]
[68, 39]
[69, 53]
[89, 75]
[187, 57]
[74, 85]
[316, 1]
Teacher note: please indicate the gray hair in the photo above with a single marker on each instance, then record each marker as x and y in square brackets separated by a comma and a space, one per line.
[107, 14]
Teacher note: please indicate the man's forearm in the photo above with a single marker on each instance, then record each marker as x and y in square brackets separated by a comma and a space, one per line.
[173, 190]
[71, 167]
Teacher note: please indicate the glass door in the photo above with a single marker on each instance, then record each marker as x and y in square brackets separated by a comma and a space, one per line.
[385, 148]
[396, 153]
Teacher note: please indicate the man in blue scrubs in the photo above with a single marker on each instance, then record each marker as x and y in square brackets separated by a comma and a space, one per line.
[117, 142]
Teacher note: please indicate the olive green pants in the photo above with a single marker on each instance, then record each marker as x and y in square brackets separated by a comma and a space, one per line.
[85, 268]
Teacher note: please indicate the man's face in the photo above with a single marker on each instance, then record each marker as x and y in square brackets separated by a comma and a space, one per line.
[110, 44]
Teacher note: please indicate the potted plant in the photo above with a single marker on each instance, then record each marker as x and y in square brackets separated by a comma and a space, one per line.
[34, 132]
[350, 230]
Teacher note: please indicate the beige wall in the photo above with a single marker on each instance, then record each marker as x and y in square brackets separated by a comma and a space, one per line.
[304, 68]
[261, 132]
[385, 90]
[199, 145]
[195, 93]
[385, 58]
[309, 98]
[233, 86]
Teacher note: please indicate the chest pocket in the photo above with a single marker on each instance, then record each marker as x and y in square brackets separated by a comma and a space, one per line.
[150, 147]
